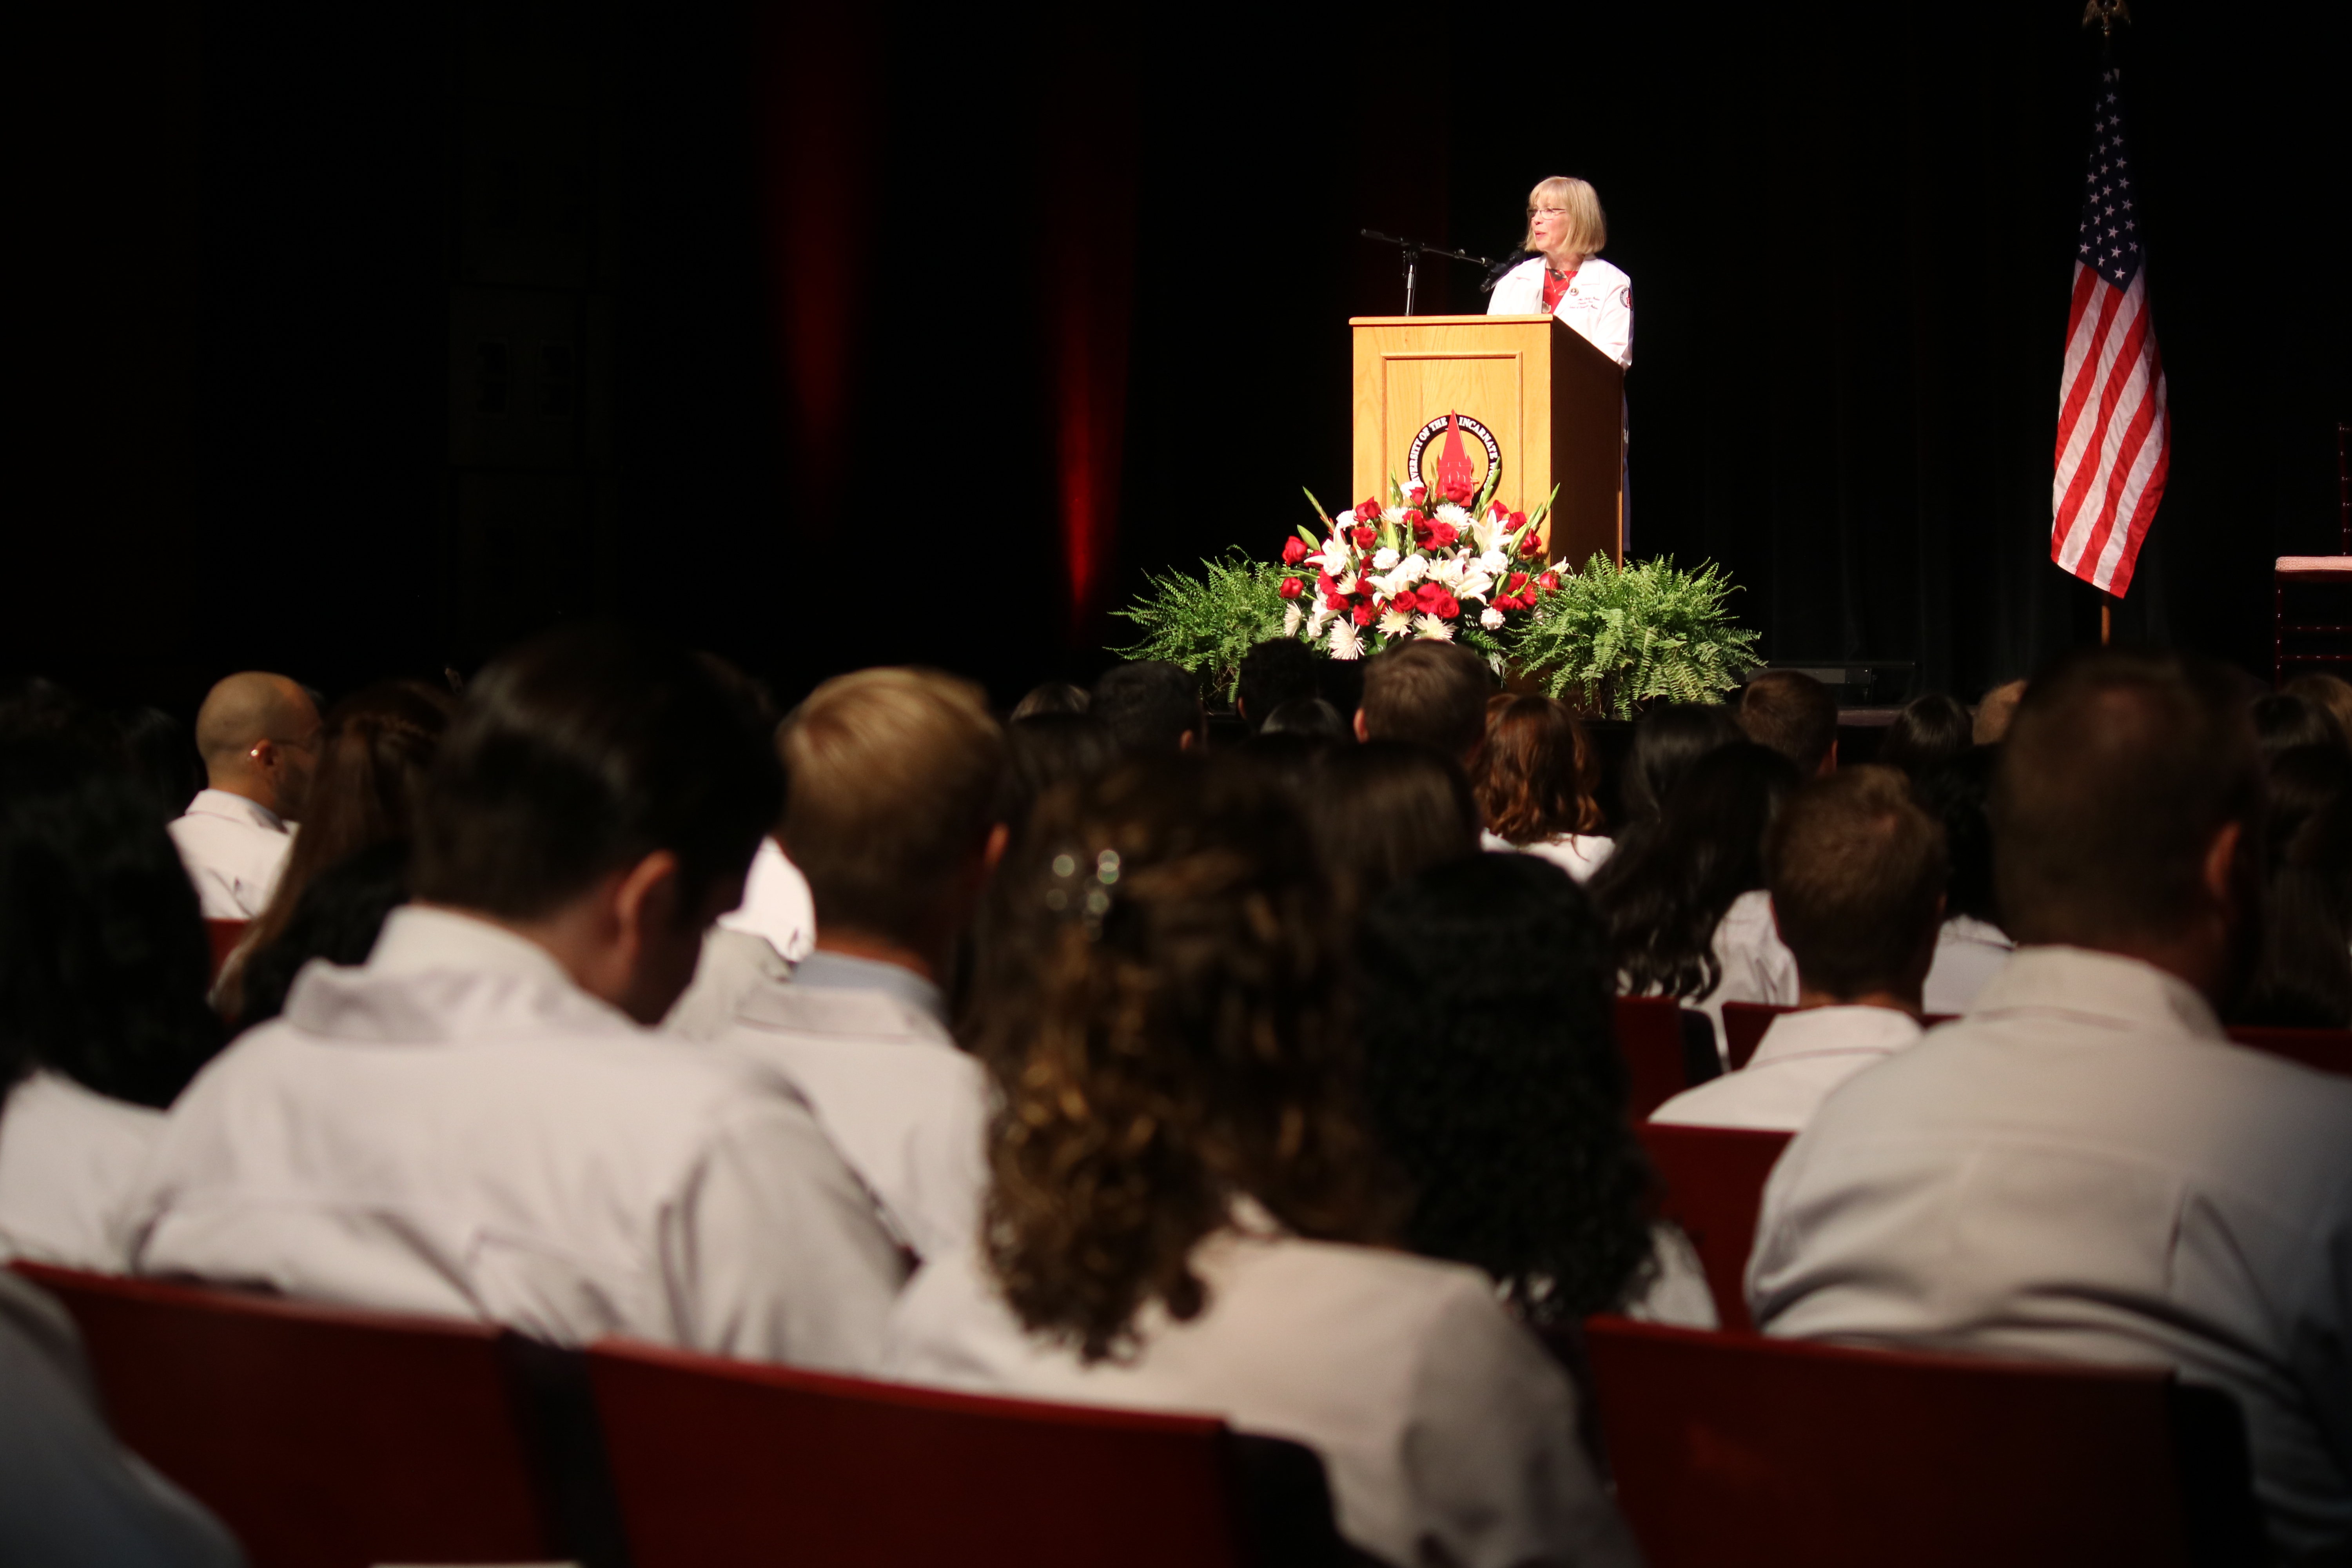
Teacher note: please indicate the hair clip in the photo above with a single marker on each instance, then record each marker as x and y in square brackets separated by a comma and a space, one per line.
[1066, 898]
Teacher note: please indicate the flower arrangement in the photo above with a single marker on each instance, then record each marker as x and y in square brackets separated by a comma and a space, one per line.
[1457, 570]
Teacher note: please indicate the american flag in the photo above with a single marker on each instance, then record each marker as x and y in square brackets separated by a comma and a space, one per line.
[2115, 439]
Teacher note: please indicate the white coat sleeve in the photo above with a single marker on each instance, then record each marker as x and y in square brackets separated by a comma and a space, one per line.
[1498, 1477]
[1612, 325]
[774, 1252]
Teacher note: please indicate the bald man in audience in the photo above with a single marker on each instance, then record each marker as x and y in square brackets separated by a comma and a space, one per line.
[259, 735]
[478, 1122]
[892, 778]
[2085, 1167]
[1794, 714]
[1856, 873]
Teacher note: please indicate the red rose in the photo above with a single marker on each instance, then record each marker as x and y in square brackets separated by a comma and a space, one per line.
[1363, 613]
[1292, 587]
[1368, 510]
[1293, 551]
[1498, 511]
[1442, 534]
[1519, 519]
[1406, 600]
[1548, 582]
[1517, 583]
[1459, 494]
[1335, 604]
[1533, 543]
[1448, 607]
[1367, 537]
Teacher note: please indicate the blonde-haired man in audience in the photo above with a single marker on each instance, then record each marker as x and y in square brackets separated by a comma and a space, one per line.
[259, 735]
[891, 778]
[1856, 875]
[477, 1121]
[2084, 1166]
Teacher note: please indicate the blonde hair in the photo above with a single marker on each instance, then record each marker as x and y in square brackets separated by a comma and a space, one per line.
[1588, 229]
[891, 778]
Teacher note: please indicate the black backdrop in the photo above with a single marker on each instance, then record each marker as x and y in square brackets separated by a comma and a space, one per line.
[365, 341]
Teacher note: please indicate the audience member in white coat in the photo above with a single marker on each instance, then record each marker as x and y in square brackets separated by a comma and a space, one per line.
[102, 1015]
[1685, 903]
[776, 907]
[2084, 1166]
[1857, 888]
[1972, 947]
[892, 777]
[259, 735]
[1534, 783]
[1184, 1212]
[474, 1122]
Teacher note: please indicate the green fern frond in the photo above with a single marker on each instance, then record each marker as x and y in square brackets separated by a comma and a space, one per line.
[1627, 636]
[1206, 624]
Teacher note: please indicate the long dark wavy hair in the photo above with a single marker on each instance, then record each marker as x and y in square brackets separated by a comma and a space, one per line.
[1162, 1015]
[1663, 898]
[103, 961]
[2305, 978]
[1484, 987]
[1666, 742]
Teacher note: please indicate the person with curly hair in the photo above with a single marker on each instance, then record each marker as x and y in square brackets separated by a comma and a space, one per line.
[1186, 1211]
[1685, 906]
[1496, 1084]
[102, 1015]
[1535, 785]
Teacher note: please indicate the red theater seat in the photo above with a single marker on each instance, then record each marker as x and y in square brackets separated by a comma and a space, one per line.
[323, 1437]
[224, 936]
[720, 1461]
[2329, 1050]
[1731, 1448]
[1744, 1024]
[1649, 1038]
[1713, 1180]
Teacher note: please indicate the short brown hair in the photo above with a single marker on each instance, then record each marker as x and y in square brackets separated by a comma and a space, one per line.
[1990, 722]
[890, 778]
[1791, 712]
[1430, 693]
[1856, 869]
[2117, 772]
[1535, 775]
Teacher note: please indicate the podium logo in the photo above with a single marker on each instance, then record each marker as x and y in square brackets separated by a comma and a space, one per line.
[1426, 458]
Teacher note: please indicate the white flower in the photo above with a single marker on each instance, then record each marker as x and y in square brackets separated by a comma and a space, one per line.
[1429, 626]
[1494, 563]
[1345, 585]
[1334, 560]
[1394, 514]
[1342, 522]
[1385, 560]
[1395, 624]
[1476, 585]
[1317, 621]
[1490, 617]
[1411, 569]
[1457, 516]
[1446, 570]
[1345, 643]
[1290, 619]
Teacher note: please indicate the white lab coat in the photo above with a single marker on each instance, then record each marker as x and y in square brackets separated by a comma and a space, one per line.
[1756, 964]
[70, 1163]
[906, 1109]
[1448, 1434]
[454, 1127]
[1801, 1057]
[1577, 853]
[234, 849]
[1969, 953]
[1599, 303]
[777, 904]
[2084, 1168]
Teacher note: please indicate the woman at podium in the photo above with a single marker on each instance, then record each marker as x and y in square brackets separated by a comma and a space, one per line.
[1563, 276]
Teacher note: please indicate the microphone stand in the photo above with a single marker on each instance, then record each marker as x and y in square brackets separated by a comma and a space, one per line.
[1413, 251]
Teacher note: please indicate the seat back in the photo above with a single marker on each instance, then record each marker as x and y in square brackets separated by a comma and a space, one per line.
[2329, 1050]
[323, 1437]
[1735, 1448]
[1744, 1024]
[1711, 1182]
[1649, 1038]
[733, 1462]
[224, 936]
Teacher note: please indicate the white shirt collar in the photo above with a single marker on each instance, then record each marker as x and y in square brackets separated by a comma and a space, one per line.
[1835, 1031]
[236, 807]
[839, 971]
[420, 939]
[2099, 988]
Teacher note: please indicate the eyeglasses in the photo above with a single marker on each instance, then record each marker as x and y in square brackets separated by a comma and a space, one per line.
[1534, 213]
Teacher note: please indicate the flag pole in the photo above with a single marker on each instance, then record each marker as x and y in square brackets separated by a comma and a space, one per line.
[2107, 618]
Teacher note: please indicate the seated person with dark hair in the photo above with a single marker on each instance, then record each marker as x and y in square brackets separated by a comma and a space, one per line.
[1153, 707]
[2085, 1167]
[1794, 714]
[1856, 875]
[1431, 694]
[476, 1122]
[1277, 671]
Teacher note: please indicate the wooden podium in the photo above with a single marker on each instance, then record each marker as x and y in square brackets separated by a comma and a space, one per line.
[1531, 394]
